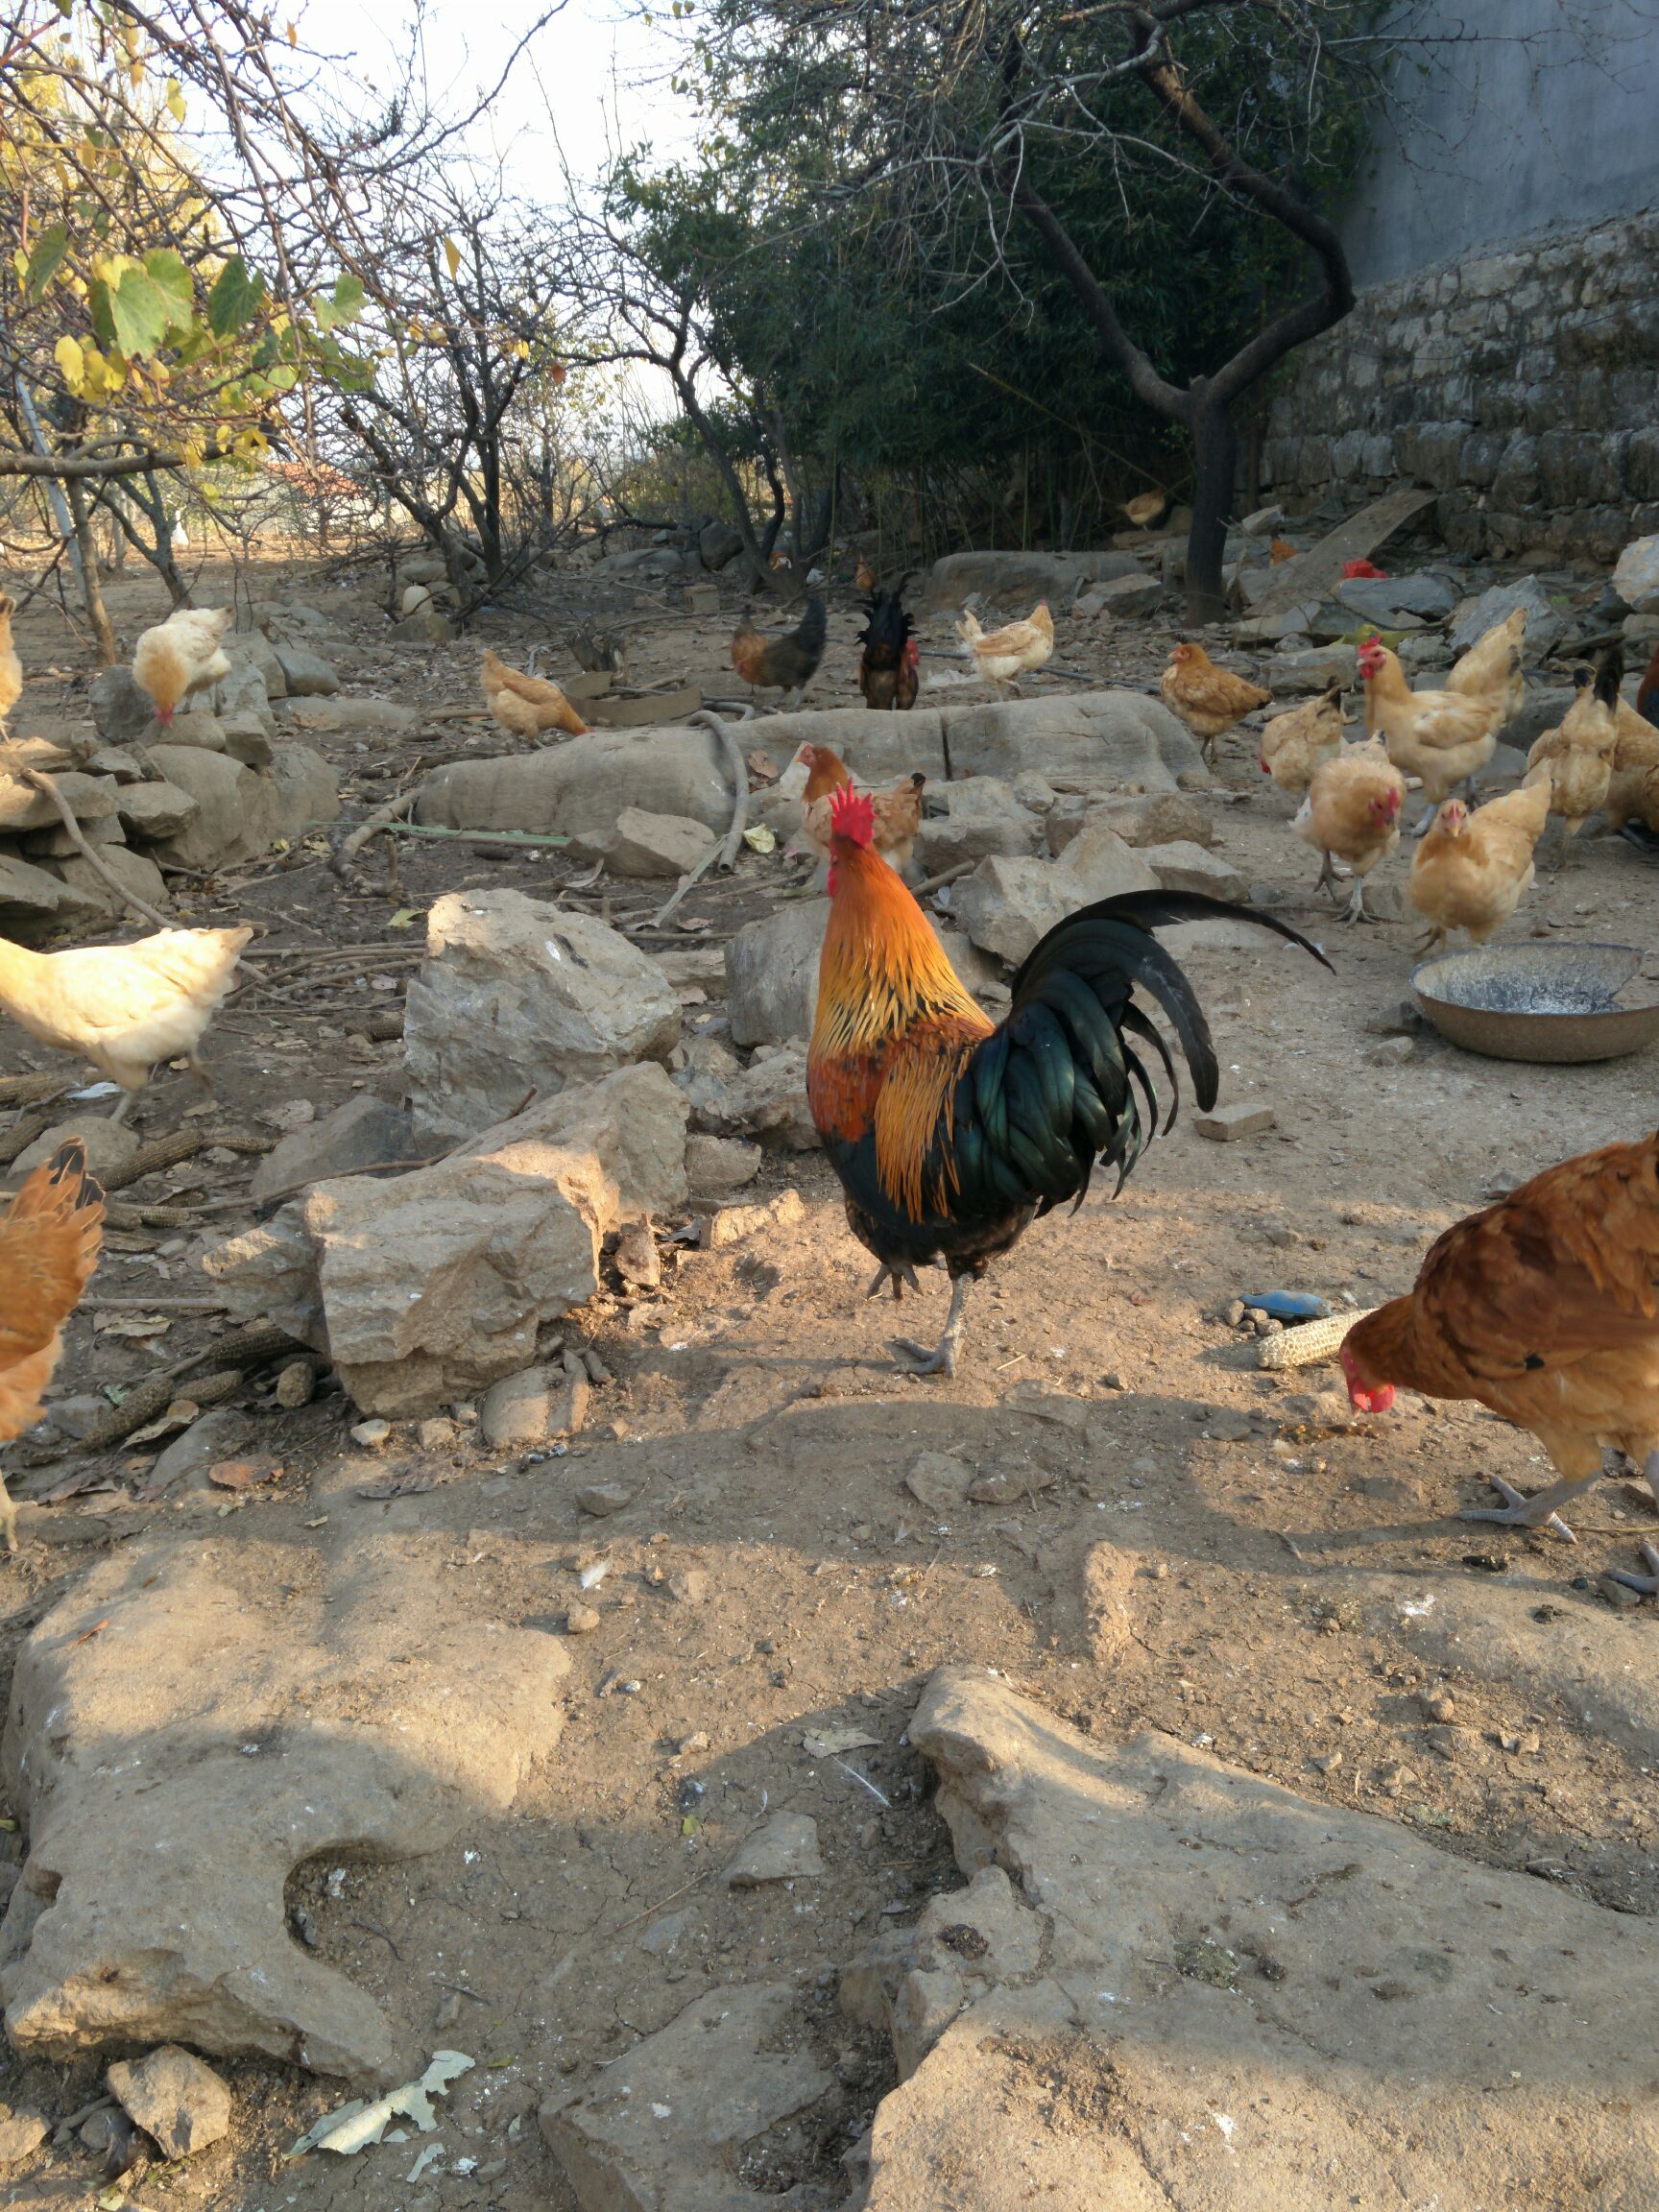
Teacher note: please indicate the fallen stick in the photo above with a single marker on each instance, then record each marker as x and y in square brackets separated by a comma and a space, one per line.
[725, 853]
[530, 837]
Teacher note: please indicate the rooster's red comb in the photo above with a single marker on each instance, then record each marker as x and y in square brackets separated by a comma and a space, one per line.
[852, 816]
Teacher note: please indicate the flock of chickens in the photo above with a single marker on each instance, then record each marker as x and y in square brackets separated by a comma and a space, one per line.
[1472, 864]
[950, 1134]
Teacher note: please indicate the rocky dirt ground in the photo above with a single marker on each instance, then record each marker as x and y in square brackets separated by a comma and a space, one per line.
[1124, 1519]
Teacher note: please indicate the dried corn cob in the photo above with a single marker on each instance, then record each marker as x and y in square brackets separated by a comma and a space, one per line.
[1310, 1343]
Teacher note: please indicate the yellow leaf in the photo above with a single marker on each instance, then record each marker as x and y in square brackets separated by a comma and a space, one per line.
[71, 365]
[452, 254]
[293, 34]
[406, 918]
[176, 100]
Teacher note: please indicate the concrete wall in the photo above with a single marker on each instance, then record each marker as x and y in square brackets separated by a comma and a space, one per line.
[1505, 345]
[1530, 114]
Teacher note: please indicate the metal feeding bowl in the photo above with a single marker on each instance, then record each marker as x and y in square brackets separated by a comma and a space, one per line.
[1556, 1002]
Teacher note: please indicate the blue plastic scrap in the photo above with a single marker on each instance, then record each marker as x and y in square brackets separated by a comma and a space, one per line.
[1287, 1305]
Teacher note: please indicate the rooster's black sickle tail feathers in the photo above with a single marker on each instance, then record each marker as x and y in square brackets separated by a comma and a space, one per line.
[1060, 1086]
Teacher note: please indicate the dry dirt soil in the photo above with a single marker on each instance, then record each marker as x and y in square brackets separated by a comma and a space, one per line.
[763, 1435]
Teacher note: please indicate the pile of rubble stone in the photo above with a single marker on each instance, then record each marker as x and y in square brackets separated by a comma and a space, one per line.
[222, 784]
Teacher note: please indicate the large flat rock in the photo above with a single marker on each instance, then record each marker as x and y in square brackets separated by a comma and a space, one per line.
[1083, 740]
[195, 1719]
[1087, 740]
[1229, 1997]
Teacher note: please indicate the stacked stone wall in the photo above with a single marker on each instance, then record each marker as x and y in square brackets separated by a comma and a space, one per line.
[1522, 383]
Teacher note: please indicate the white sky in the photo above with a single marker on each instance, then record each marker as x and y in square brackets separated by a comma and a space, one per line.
[603, 75]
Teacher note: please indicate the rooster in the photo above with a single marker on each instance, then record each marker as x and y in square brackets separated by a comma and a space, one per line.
[526, 706]
[890, 665]
[11, 666]
[1545, 1309]
[181, 657]
[49, 1238]
[786, 664]
[950, 1136]
[124, 1006]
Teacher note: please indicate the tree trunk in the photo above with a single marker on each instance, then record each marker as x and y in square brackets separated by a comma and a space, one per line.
[1214, 472]
[97, 614]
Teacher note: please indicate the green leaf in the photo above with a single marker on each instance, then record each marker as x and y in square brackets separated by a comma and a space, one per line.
[347, 303]
[102, 310]
[142, 312]
[235, 298]
[50, 249]
[168, 273]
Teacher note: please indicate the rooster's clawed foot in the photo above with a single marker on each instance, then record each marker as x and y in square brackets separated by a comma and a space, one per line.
[1646, 1585]
[1519, 1511]
[897, 1272]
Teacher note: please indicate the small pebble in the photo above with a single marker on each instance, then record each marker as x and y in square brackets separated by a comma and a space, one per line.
[1439, 1705]
[437, 1435]
[1619, 1595]
[697, 1741]
[603, 1498]
[372, 1435]
[295, 1385]
[581, 1621]
[1393, 1052]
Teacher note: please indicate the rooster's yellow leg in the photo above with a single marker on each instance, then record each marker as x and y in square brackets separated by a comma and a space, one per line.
[942, 1359]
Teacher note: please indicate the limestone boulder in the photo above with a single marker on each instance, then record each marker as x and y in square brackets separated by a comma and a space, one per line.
[1126, 595]
[1183, 867]
[1381, 599]
[765, 1101]
[581, 786]
[363, 1133]
[667, 2125]
[1545, 623]
[1007, 905]
[304, 671]
[1184, 1897]
[432, 1286]
[253, 649]
[136, 877]
[1017, 581]
[351, 1700]
[515, 995]
[719, 545]
[982, 816]
[152, 812]
[122, 713]
[657, 844]
[32, 898]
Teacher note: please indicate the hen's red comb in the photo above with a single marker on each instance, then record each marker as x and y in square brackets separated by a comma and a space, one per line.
[852, 815]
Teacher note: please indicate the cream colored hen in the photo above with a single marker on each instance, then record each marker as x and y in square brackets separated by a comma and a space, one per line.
[181, 656]
[11, 666]
[527, 706]
[1002, 654]
[123, 1007]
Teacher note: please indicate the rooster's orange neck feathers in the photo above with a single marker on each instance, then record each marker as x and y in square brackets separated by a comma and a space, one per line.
[893, 1025]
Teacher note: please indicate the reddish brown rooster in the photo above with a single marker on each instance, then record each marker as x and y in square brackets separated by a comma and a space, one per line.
[1545, 1307]
[949, 1135]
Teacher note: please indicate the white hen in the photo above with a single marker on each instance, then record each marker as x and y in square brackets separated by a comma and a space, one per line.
[125, 1007]
[181, 656]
